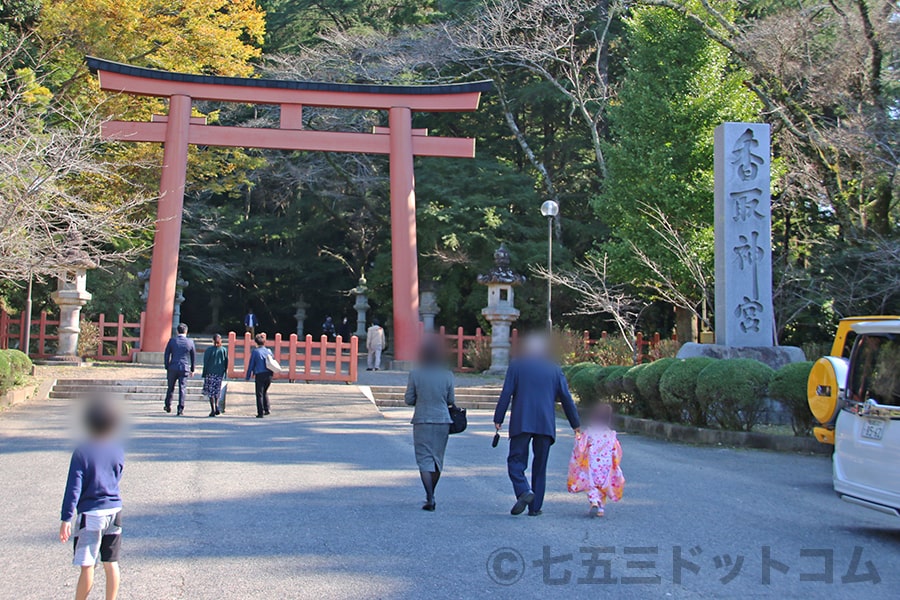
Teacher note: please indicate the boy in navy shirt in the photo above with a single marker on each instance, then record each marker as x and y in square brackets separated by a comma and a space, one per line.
[92, 491]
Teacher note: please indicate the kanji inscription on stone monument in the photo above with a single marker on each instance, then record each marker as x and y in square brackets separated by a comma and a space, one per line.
[743, 228]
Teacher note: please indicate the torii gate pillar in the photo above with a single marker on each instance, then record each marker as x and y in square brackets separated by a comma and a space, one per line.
[167, 239]
[404, 254]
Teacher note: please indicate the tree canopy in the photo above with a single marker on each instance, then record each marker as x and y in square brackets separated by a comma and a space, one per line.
[607, 107]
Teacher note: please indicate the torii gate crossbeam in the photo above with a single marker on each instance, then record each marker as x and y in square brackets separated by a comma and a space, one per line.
[177, 130]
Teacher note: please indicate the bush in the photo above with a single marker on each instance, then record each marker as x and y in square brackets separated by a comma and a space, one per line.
[629, 387]
[613, 351]
[788, 386]
[612, 383]
[585, 384]
[475, 354]
[571, 370]
[664, 349]
[569, 347]
[648, 387]
[678, 389]
[15, 366]
[89, 340]
[733, 392]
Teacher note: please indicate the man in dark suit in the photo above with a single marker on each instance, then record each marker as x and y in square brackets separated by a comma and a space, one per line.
[534, 384]
[179, 361]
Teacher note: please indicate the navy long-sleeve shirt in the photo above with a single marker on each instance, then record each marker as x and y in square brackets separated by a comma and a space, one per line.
[257, 362]
[94, 474]
[533, 386]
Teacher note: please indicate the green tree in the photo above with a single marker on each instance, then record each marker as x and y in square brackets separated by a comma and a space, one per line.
[678, 86]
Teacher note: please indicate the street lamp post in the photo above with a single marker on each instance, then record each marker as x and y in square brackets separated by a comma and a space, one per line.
[549, 209]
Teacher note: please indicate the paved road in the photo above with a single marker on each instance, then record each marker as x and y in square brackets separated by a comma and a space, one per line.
[322, 501]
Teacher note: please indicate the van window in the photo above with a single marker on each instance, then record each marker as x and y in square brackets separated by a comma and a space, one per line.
[876, 369]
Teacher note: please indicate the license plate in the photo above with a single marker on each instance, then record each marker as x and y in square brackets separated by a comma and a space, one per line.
[873, 429]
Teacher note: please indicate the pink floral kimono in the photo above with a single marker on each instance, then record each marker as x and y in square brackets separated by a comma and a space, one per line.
[594, 467]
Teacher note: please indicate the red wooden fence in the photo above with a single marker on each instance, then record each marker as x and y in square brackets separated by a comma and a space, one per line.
[116, 342]
[301, 360]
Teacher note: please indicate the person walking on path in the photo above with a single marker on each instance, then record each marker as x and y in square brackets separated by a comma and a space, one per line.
[430, 390]
[215, 365]
[533, 385]
[92, 493]
[179, 360]
[251, 322]
[257, 369]
[595, 464]
[374, 345]
[328, 329]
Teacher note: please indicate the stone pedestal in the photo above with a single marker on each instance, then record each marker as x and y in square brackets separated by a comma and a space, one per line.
[71, 294]
[774, 356]
[300, 315]
[428, 309]
[361, 306]
[500, 311]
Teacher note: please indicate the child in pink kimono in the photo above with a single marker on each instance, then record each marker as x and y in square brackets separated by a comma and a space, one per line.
[594, 467]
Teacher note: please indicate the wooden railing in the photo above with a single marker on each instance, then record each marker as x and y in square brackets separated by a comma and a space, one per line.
[116, 339]
[304, 360]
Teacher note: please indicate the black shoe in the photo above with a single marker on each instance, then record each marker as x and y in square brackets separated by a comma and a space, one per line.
[370, 369]
[218, 412]
[167, 408]
[212, 414]
[535, 513]
[259, 416]
[266, 412]
[522, 503]
[180, 412]
[429, 506]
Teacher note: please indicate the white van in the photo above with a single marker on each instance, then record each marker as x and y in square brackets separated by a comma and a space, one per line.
[867, 420]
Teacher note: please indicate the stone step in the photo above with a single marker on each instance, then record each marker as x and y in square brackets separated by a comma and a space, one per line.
[467, 404]
[123, 397]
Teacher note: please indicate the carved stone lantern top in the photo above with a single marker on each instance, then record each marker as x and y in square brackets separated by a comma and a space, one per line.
[502, 271]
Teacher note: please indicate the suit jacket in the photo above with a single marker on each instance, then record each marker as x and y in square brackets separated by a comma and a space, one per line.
[533, 386]
[180, 354]
[430, 390]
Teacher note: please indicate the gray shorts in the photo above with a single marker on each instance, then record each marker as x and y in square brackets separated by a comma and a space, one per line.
[97, 538]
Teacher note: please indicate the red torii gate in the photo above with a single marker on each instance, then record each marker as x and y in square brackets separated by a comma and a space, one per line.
[178, 129]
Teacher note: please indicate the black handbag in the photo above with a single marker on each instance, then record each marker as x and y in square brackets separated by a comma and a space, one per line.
[458, 416]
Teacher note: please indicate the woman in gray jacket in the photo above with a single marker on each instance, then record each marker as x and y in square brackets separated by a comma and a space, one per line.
[430, 390]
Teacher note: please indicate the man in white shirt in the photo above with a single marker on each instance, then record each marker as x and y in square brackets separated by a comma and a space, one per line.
[374, 345]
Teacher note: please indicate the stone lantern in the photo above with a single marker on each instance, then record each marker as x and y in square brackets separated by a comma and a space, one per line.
[428, 307]
[70, 295]
[180, 284]
[301, 306]
[361, 306]
[500, 311]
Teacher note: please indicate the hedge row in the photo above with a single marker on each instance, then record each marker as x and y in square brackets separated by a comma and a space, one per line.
[729, 394]
[15, 366]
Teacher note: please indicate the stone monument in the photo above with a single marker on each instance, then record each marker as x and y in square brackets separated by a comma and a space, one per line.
[361, 306]
[745, 320]
[428, 307]
[70, 295]
[500, 311]
[301, 305]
